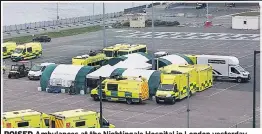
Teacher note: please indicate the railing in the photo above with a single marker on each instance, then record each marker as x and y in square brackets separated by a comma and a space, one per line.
[65, 21]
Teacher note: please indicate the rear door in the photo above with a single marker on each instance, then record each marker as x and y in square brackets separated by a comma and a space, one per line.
[56, 122]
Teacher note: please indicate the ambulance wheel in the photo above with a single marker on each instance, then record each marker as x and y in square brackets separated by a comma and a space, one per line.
[129, 101]
[9, 76]
[173, 100]
[96, 98]
[157, 100]
[239, 80]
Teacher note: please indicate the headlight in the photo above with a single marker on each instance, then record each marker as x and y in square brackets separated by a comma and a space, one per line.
[168, 95]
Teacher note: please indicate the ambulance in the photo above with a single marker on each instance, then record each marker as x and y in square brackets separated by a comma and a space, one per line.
[8, 49]
[25, 119]
[111, 51]
[27, 51]
[126, 89]
[91, 59]
[78, 118]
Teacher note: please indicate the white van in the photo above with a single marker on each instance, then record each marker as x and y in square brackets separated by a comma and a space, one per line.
[225, 67]
[37, 70]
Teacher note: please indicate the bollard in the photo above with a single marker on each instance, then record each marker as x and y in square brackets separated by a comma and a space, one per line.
[39, 88]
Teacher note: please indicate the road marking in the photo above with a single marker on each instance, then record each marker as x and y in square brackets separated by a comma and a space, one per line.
[142, 113]
[222, 90]
[164, 115]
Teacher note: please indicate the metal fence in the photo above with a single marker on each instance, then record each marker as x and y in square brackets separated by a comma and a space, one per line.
[59, 22]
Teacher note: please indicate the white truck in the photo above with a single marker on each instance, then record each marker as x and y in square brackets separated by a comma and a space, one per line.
[225, 67]
[37, 70]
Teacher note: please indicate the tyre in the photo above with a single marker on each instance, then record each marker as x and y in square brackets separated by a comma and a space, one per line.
[173, 101]
[129, 101]
[95, 98]
[17, 76]
[239, 80]
[157, 100]
[190, 94]
[9, 76]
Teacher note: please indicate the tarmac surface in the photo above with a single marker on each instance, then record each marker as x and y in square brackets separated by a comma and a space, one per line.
[226, 104]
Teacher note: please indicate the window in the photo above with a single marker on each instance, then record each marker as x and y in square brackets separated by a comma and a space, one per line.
[29, 49]
[80, 124]
[46, 122]
[24, 51]
[175, 88]
[233, 70]
[245, 22]
[52, 124]
[112, 87]
[4, 49]
[23, 124]
[142, 50]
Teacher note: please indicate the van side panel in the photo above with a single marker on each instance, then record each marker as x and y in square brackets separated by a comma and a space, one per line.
[25, 122]
[144, 90]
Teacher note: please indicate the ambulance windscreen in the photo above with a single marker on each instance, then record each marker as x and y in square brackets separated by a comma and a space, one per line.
[167, 87]
[18, 50]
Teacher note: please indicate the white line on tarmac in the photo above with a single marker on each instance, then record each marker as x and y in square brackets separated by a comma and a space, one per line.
[222, 90]
[243, 121]
[164, 115]
[37, 100]
[245, 56]
[54, 101]
[142, 113]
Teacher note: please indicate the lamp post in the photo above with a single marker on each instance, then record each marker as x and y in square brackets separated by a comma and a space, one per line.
[57, 17]
[93, 14]
[100, 98]
[188, 90]
[104, 27]
[153, 49]
[254, 90]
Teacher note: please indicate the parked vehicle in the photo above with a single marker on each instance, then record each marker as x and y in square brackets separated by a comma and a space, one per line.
[201, 5]
[128, 89]
[18, 70]
[25, 119]
[78, 118]
[27, 51]
[8, 49]
[37, 70]
[225, 67]
[42, 38]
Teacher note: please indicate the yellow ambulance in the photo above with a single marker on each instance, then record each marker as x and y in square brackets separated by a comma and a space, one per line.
[128, 89]
[174, 83]
[78, 118]
[8, 49]
[111, 51]
[27, 51]
[25, 119]
[92, 59]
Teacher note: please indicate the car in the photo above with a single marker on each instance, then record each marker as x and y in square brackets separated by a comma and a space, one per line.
[160, 54]
[42, 38]
[18, 71]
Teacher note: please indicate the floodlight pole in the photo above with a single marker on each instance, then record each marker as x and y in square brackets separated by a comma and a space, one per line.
[153, 49]
[254, 90]
[100, 98]
[93, 14]
[57, 17]
[188, 89]
[104, 27]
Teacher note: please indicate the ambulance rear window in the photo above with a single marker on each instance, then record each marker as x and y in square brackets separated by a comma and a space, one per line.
[80, 124]
[23, 124]
[46, 122]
